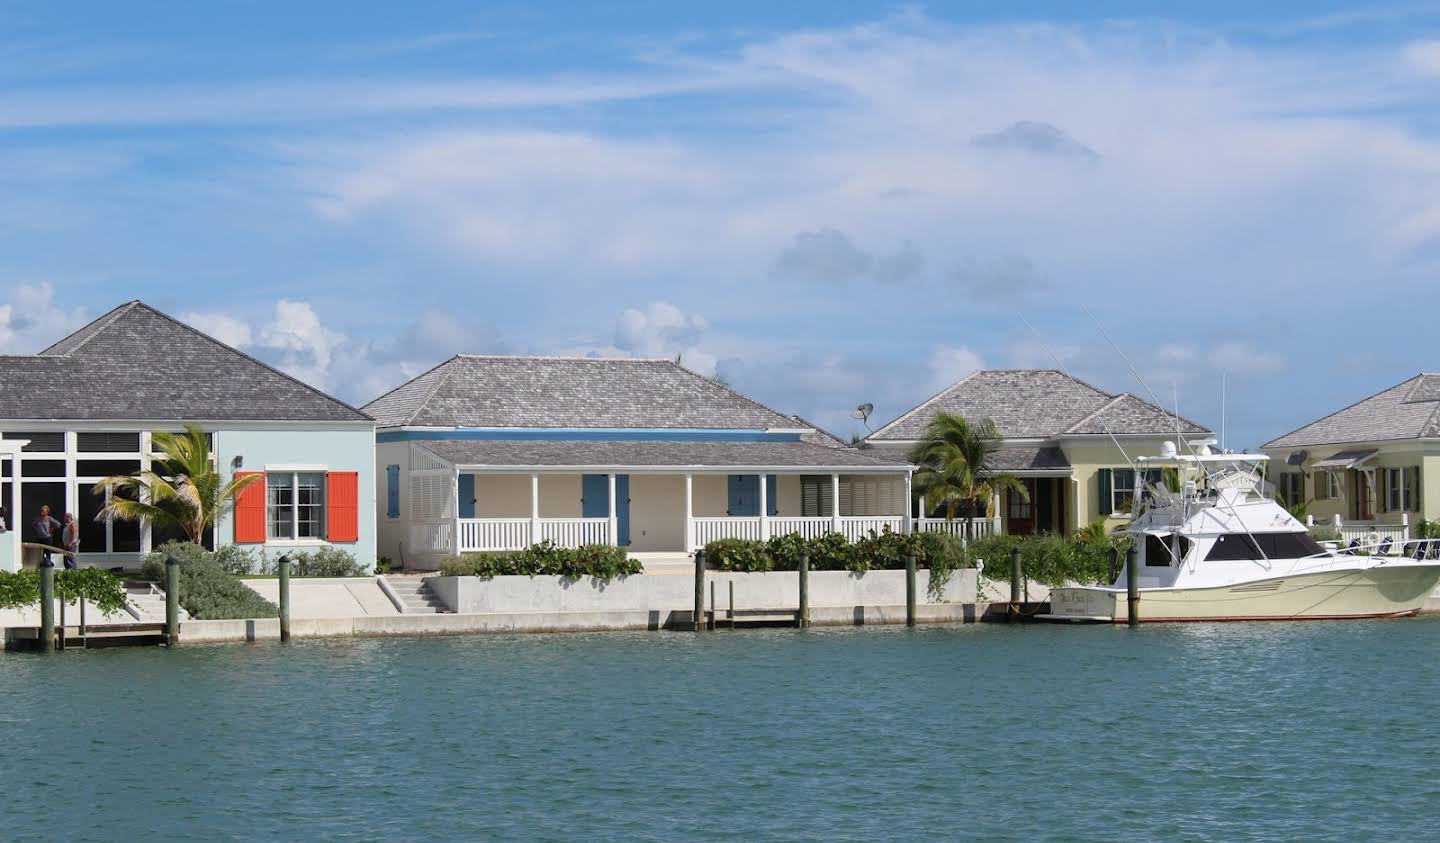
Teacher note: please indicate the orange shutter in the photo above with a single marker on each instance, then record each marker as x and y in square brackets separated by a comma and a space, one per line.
[342, 499]
[250, 511]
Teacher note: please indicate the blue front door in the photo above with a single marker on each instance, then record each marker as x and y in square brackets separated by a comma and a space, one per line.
[745, 495]
[595, 501]
[467, 496]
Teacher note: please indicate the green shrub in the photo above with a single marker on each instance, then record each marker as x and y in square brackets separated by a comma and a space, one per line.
[326, 561]
[19, 589]
[1049, 558]
[207, 590]
[99, 588]
[738, 555]
[1331, 533]
[602, 561]
[236, 560]
[383, 565]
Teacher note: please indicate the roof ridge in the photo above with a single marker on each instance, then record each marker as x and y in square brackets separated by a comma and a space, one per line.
[199, 333]
[1113, 400]
[381, 397]
[573, 357]
[727, 388]
[1349, 406]
[923, 404]
[107, 319]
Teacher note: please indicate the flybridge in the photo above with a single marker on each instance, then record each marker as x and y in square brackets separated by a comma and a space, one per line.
[590, 434]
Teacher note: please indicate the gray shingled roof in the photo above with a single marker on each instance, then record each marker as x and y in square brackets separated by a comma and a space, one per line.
[1036, 403]
[1409, 410]
[649, 454]
[137, 363]
[1008, 458]
[541, 392]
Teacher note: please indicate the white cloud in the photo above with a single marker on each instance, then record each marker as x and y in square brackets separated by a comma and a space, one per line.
[1424, 56]
[949, 364]
[31, 319]
[221, 326]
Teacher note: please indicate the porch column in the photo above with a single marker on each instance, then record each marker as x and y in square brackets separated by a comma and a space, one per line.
[614, 526]
[907, 526]
[835, 503]
[764, 511]
[534, 507]
[920, 514]
[689, 512]
[456, 545]
[997, 520]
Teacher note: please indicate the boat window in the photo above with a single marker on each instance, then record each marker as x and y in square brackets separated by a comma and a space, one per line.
[1157, 550]
[1239, 546]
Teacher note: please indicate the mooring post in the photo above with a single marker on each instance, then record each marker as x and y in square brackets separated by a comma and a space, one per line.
[803, 620]
[910, 590]
[1015, 575]
[83, 640]
[61, 627]
[699, 590]
[713, 607]
[172, 601]
[47, 606]
[1132, 587]
[284, 568]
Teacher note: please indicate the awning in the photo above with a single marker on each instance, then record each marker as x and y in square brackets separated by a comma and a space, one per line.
[1345, 460]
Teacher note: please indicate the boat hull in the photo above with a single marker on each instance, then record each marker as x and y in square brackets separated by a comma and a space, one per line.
[1379, 591]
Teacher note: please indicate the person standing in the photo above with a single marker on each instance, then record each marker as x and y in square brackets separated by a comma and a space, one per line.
[46, 530]
[70, 540]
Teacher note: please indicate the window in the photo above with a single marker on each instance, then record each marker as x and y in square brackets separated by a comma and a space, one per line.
[1122, 493]
[1020, 508]
[108, 443]
[1399, 487]
[47, 441]
[1327, 486]
[1159, 551]
[1292, 488]
[1243, 547]
[295, 506]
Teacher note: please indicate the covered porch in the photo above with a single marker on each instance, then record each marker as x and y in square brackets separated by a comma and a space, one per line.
[463, 506]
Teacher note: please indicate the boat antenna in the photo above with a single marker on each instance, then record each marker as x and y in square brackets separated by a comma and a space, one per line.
[1223, 375]
[1061, 366]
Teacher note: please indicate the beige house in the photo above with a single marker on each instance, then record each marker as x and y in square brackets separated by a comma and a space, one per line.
[1376, 462]
[1060, 438]
[494, 453]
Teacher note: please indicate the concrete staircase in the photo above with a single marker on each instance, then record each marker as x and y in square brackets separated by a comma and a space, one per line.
[675, 564]
[416, 596]
[146, 603]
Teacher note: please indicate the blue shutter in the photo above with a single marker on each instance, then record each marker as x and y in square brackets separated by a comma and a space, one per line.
[744, 495]
[772, 507]
[392, 491]
[622, 509]
[467, 496]
[595, 496]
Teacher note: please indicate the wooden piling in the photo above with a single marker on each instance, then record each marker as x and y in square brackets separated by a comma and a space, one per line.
[1016, 572]
[910, 590]
[803, 618]
[47, 606]
[172, 601]
[713, 607]
[1132, 588]
[284, 569]
[699, 590]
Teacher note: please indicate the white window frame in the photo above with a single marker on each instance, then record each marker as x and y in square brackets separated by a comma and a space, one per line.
[1117, 494]
[293, 473]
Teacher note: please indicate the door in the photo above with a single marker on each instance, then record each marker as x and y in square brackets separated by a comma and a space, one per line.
[595, 502]
[1360, 507]
[1019, 512]
[744, 496]
[467, 496]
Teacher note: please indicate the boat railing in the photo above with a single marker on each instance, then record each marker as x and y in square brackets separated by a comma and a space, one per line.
[1418, 549]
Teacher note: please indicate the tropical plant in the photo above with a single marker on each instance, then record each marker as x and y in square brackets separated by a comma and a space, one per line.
[182, 489]
[955, 460]
[207, 590]
[601, 561]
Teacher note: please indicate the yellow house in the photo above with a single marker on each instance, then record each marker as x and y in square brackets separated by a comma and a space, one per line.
[1376, 462]
[1069, 442]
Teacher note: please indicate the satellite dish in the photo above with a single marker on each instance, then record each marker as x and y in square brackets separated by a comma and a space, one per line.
[862, 413]
[1297, 458]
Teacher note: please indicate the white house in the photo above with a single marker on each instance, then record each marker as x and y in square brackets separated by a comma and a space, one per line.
[488, 453]
[86, 408]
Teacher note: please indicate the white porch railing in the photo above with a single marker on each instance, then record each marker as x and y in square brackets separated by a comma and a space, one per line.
[494, 534]
[1368, 532]
[573, 532]
[810, 527]
[713, 529]
[979, 527]
[857, 527]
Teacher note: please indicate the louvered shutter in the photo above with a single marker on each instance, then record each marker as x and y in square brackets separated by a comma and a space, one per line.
[250, 511]
[342, 501]
[1107, 503]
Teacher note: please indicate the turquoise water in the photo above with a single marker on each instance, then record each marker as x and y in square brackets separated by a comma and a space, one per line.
[1237, 731]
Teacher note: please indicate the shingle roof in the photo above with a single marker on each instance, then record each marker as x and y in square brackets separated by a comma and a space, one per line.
[1004, 459]
[138, 363]
[649, 454]
[541, 392]
[1408, 410]
[1036, 403]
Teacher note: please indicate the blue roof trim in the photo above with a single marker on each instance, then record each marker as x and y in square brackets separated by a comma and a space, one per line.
[587, 434]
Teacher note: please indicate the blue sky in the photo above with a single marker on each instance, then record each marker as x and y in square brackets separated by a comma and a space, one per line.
[827, 203]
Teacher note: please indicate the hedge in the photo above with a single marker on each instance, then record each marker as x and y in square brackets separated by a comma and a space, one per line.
[602, 561]
[98, 588]
[885, 551]
[208, 590]
[1049, 558]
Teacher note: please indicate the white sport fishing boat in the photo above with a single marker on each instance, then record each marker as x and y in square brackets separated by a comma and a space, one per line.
[1218, 549]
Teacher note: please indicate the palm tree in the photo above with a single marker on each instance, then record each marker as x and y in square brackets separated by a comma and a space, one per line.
[954, 458]
[182, 489]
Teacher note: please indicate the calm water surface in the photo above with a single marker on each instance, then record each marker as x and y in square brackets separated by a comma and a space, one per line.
[1236, 731]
